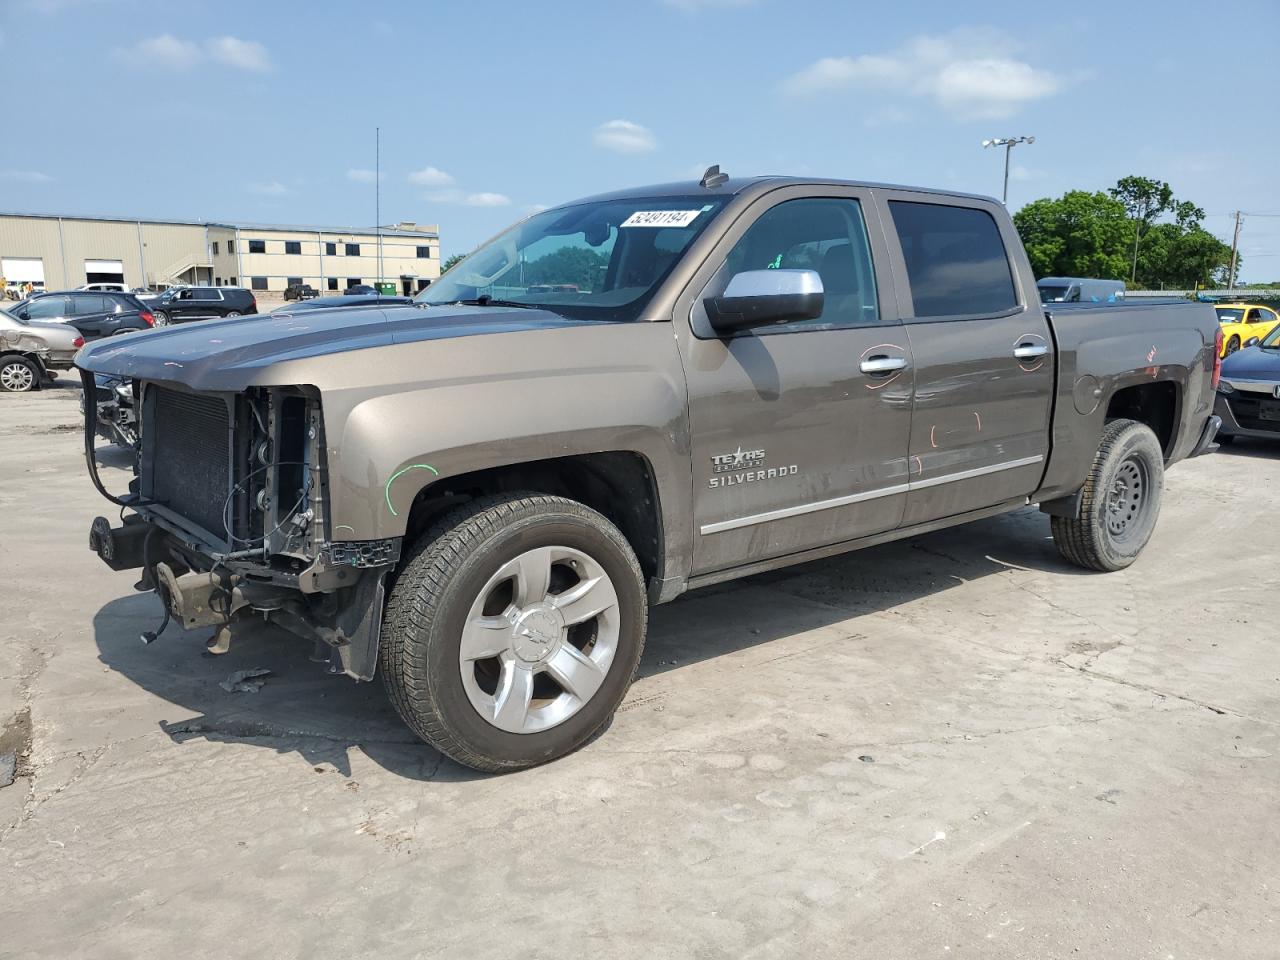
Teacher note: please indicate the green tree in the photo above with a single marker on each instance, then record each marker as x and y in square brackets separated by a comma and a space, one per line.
[1081, 234]
[577, 265]
[449, 263]
[1145, 200]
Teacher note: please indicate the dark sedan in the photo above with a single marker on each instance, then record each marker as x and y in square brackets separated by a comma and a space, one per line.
[345, 301]
[1249, 394]
[95, 314]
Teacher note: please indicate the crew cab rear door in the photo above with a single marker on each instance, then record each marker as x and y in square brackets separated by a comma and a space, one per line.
[984, 363]
[798, 431]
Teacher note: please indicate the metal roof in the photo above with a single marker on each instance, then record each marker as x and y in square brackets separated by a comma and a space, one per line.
[296, 228]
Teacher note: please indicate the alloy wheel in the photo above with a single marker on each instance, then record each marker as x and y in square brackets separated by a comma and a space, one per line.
[539, 639]
[16, 377]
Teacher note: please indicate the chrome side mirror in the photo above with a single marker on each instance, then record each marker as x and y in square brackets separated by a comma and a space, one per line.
[758, 298]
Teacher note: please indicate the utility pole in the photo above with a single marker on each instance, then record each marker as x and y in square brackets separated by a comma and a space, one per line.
[1008, 143]
[1235, 245]
[377, 196]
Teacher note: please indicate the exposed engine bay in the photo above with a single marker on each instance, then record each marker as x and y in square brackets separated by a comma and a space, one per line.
[228, 516]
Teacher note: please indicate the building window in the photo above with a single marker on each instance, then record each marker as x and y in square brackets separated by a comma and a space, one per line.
[293, 282]
[231, 246]
[231, 281]
[258, 246]
[333, 283]
[292, 246]
[258, 283]
[424, 253]
[353, 282]
[215, 247]
[353, 249]
[217, 281]
[330, 249]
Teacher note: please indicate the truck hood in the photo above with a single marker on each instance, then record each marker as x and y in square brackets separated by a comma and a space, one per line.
[1252, 363]
[227, 354]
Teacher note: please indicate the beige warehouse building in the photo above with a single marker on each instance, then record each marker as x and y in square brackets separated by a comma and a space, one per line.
[58, 253]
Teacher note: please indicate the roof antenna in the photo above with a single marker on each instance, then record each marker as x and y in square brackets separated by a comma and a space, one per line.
[713, 177]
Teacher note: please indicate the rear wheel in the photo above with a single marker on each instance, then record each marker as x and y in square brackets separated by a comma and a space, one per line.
[233, 313]
[1119, 503]
[161, 318]
[513, 630]
[18, 375]
[1232, 345]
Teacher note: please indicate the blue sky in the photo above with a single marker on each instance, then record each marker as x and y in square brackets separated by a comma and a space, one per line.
[265, 111]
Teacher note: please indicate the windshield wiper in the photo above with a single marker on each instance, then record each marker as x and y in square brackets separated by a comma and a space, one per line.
[484, 300]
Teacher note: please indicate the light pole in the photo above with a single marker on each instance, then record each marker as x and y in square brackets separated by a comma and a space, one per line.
[1008, 143]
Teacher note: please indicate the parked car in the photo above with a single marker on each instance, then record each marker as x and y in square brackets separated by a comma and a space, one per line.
[479, 499]
[1249, 392]
[106, 287]
[346, 302]
[1079, 290]
[300, 291]
[184, 304]
[95, 315]
[1241, 322]
[30, 351]
[360, 288]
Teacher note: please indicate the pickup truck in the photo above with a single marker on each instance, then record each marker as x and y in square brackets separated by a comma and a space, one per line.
[479, 494]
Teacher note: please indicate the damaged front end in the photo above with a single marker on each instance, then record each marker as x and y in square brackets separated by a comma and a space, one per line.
[229, 520]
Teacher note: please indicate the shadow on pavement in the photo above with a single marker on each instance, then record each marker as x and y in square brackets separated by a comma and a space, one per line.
[302, 709]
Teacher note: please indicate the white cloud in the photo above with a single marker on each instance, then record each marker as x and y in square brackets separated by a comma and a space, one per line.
[623, 136]
[430, 177]
[453, 195]
[25, 176]
[487, 200]
[364, 176]
[970, 74]
[272, 188]
[241, 54]
[174, 53]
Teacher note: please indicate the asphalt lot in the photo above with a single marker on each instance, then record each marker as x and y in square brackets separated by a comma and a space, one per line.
[952, 747]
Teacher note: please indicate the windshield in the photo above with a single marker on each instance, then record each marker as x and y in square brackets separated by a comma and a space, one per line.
[1053, 294]
[590, 261]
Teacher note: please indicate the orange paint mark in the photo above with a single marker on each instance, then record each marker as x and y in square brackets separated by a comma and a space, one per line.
[919, 466]
[932, 431]
[979, 419]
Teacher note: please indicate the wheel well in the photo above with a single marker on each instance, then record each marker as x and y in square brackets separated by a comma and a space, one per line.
[619, 485]
[1155, 404]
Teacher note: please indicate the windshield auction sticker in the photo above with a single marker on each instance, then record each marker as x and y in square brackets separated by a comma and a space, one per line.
[661, 218]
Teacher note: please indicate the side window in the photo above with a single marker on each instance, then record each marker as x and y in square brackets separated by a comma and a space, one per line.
[1255, 316]
[87, 306]
[827, 235]
[47, 307]
[208, 293]
[956, 262]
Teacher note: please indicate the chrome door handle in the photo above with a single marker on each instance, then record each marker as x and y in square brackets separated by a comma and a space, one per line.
[1029, 351]
[880, 364]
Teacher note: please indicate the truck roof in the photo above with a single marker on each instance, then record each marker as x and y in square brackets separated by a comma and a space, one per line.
[738, 185]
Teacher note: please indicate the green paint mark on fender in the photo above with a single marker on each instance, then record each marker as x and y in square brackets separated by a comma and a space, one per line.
[404, 470]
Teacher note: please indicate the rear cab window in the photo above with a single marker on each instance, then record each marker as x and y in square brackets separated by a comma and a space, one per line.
[957, 264]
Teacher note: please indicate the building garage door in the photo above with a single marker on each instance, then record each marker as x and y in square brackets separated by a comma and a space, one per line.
[104, 271]
[23, 270]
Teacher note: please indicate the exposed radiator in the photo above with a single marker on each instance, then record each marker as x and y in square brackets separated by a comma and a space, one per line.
[188, 444]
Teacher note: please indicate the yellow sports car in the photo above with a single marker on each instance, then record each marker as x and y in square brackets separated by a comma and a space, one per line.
[1243, 321]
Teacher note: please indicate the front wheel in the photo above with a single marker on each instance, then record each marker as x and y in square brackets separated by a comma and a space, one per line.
[513, 630]
[1119, 503]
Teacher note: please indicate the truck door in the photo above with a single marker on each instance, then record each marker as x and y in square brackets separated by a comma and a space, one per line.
[798, 431]
[984, 364]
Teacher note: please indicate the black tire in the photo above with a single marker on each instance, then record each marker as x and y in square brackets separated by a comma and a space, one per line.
[18, 375]
[1232, 346]
[161, 318]
[443, 575]
[1120, 501]
[232, 313]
